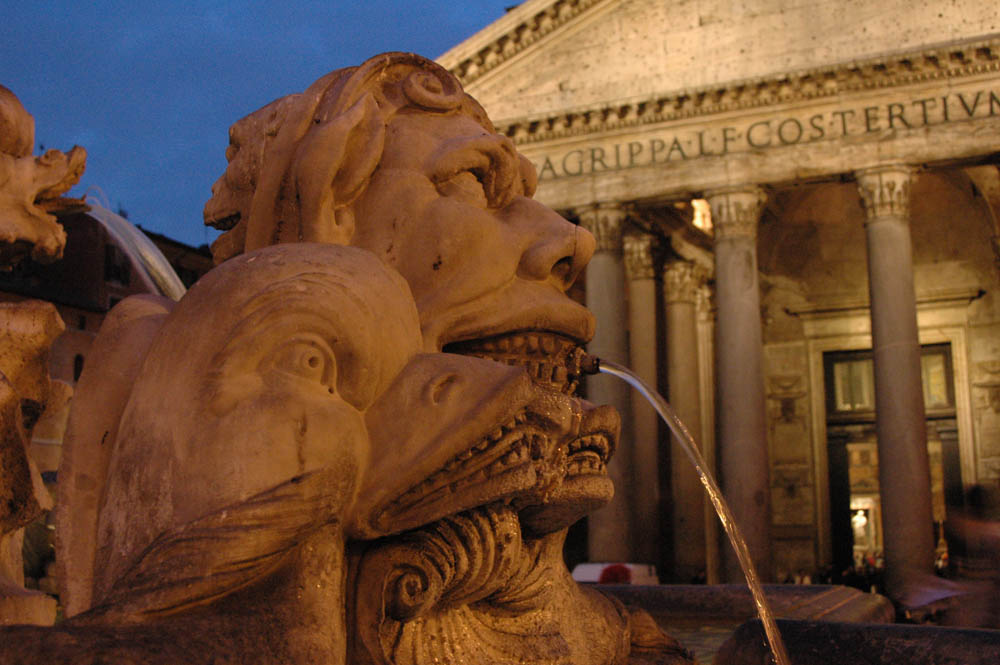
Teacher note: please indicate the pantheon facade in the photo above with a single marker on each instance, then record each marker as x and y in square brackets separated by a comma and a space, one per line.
[796, 207]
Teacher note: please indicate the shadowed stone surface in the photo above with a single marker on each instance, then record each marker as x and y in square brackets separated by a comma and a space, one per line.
[820, 643]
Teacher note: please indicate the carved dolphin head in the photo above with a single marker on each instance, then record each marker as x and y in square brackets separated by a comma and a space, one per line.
[258, 377]
[477, 432]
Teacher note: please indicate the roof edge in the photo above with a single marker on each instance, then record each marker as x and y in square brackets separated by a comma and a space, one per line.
[510, 34]
[979, 55]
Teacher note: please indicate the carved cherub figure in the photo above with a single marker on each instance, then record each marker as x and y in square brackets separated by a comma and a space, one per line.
[27, 184]
[28, 187]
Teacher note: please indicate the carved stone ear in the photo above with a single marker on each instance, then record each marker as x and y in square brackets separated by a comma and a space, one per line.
[332, 168]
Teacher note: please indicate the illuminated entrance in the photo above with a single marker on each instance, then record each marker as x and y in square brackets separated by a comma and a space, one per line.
[855, 505]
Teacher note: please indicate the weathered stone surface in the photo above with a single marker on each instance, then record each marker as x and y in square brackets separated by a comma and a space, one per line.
[103, 390]
[734, 602]
[822, 643]
[27, 330]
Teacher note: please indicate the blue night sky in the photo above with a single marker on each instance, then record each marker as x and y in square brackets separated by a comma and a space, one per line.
[150, 88]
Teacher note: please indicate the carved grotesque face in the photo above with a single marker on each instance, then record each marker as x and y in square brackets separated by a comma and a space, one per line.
[449, 207]
[395, 158]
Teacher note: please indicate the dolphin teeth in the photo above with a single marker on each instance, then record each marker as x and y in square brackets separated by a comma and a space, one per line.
[551, 359]
[548, 344]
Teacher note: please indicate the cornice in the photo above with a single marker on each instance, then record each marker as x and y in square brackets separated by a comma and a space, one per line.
[515, 39]
[959, 297]
[940, 63]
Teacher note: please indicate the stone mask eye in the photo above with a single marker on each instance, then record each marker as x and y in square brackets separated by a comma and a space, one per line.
[309, 359]
[467, 186]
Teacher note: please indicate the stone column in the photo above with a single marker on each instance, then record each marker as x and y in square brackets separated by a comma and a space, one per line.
[740, 416]
[609, 532]
[705, 308]
[900, 422]
[681, 282]
[645, 422]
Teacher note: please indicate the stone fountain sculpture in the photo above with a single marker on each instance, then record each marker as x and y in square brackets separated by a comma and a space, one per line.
[30, 189]
[356, 440]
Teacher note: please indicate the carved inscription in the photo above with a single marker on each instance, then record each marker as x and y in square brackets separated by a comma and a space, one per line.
[772, 132]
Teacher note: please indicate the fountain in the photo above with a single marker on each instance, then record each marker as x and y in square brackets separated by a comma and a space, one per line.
[715, 496]
[357, 439]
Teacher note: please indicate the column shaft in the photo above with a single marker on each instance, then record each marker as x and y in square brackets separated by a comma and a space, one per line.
[645, 517]
[681, 280]
[740, 417]
[609, 532]
[900, 421]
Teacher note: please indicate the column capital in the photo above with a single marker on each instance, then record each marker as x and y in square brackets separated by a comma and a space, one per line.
[704, 302]
[638, 256]
[682, 280]
[885, 190]
[736, 210]
[605, 221]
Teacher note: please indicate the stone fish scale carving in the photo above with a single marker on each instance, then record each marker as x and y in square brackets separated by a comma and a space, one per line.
[424, 521]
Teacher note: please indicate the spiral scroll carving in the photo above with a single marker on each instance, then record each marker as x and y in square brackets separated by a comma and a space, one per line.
[465, 583]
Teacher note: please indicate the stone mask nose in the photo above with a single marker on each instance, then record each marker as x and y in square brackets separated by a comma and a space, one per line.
[559, 253]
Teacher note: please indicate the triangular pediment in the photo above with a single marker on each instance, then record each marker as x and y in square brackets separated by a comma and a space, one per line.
[531, 58]
[550, 56]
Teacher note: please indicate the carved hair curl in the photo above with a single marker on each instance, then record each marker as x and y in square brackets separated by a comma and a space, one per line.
[297, 163]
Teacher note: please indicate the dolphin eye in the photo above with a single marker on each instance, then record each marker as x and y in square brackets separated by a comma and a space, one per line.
[308, 359]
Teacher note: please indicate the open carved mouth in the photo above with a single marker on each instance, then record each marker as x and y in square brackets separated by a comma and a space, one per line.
[552, 360]
[510, 446]
[521, 463]
[224, 221]
[588, 454]
[546, 453]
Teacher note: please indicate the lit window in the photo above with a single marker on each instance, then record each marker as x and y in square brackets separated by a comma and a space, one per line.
[702, 215]
[853, 385]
